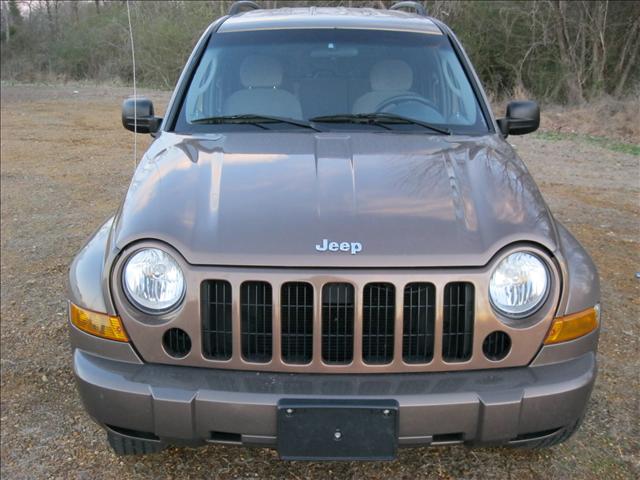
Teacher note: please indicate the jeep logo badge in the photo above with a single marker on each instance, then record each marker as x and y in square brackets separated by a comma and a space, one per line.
[327, 246]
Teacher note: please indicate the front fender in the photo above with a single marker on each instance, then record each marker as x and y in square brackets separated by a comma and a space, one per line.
[581, 290]
[582, 283]
[87, 286]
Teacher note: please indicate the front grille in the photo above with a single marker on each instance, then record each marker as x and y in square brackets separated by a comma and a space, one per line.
[378, 313]
[419, 322]
[457, 328]
[316, 325]
[256, 321]
[337, 323]
[297, 322]
[216, 319]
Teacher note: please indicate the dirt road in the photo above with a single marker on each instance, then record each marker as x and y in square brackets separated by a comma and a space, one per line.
[66, 162]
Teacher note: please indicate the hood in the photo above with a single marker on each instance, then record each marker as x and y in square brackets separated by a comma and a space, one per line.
[278, 199]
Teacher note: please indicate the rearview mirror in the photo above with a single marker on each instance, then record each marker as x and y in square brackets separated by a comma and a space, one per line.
[138, 116]
[522, 117]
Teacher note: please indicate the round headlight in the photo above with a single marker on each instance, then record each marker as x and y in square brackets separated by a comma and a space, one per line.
[153, 280]
[519, 284]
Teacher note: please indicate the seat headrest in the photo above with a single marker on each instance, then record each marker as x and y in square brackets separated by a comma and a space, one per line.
[260, 71]
[394, 75]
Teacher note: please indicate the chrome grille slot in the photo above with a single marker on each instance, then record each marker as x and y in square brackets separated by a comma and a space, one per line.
[337, 323]
[457, 327]
[419, 316]
[296, 321]
[216, 319]
[378, 314]
[256, 321]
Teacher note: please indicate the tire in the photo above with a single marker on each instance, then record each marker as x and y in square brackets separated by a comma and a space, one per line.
[553, 440]
[124, 445]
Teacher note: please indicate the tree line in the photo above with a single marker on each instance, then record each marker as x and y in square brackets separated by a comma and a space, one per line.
[551, 50]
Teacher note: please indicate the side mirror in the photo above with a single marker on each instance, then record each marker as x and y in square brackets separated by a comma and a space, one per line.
[522, 117]
[137, 116]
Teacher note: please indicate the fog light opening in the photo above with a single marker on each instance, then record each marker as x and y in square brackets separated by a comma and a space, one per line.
[176, 342]
[496, 346]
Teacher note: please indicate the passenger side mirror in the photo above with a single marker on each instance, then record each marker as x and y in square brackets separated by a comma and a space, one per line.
[522, 117]
[137, 116]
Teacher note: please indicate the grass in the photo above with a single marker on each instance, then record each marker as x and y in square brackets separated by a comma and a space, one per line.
[603, 142]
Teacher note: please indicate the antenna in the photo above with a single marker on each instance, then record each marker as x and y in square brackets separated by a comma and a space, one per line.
[135, 93]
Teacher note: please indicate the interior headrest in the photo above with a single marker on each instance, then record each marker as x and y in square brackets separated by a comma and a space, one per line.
[260, 71]
[394, 75]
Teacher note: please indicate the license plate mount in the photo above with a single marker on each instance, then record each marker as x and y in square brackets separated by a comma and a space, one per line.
[337, 429]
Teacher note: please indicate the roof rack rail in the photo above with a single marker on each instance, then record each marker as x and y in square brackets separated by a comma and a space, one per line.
[242, 5]
[417, 6]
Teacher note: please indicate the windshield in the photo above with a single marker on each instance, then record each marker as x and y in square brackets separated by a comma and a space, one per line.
[249, 80]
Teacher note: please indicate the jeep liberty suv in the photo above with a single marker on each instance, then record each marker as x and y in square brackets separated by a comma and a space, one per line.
[330, 249]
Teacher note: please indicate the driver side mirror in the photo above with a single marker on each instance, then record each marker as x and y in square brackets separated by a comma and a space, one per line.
[138, 116]
[522, 117]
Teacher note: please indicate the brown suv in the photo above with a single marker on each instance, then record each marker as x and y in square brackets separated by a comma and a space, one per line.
[331, 249]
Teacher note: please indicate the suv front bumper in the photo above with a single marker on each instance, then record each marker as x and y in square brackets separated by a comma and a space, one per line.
[189, 405]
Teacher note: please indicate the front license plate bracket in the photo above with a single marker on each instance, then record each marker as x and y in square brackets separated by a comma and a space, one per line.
[337, 429]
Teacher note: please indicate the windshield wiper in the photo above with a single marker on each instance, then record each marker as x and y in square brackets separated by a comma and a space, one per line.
[378, 119]
[253, 119]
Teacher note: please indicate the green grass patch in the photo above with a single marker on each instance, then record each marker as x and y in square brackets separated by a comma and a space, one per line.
[603, 142]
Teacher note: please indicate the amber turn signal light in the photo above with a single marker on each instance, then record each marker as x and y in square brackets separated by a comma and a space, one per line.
[99, 324]
[573, 326]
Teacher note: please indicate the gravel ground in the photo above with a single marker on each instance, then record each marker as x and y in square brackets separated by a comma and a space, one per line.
[66, 162]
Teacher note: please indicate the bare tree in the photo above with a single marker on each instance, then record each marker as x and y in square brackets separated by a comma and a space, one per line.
[74, 9]
[12, 17]
[572, 51]
[6, 20]
[628, 56]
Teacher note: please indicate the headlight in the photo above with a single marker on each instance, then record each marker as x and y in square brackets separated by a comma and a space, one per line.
[519, 284]
[153, 280]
